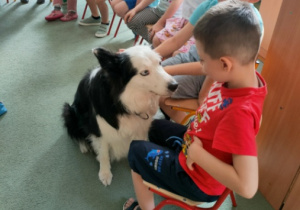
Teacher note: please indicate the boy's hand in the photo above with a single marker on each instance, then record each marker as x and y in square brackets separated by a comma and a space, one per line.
[129, 15]
[192, 150]
[154, 29]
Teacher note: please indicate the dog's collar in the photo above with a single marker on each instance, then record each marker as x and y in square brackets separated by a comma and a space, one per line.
[141, 115]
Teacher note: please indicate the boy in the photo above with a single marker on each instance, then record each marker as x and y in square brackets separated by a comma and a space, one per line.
[219, 147]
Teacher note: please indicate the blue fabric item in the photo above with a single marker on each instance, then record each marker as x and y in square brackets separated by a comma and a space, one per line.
[154, 3]
[3, 110]
[130, 3]
[206, 5]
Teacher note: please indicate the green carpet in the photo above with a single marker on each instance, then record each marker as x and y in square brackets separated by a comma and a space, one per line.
[41, 64]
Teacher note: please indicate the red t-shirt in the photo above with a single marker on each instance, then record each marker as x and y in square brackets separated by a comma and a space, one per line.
[230, 120]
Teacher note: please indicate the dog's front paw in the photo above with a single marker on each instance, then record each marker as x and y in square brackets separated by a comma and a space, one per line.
[105, 177]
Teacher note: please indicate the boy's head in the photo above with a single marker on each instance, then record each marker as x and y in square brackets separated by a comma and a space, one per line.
[230, 28]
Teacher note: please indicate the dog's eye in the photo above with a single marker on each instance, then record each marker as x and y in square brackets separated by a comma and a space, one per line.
[145, 73]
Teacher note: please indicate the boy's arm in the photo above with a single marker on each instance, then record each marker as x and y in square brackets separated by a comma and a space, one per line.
[160, 24]
[172, 44]
[242, 177]
[193, 68]
[131, 13]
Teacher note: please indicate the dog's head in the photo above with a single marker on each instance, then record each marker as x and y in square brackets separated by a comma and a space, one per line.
[137, 68]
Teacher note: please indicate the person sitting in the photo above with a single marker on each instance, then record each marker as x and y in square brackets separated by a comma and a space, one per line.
[218, 149]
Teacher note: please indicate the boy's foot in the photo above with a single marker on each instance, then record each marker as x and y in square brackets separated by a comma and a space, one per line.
[131, 204]
[69, 16]
[90, 22]
[54, 15]
[24, 1]
[40, 1]
[102, 31]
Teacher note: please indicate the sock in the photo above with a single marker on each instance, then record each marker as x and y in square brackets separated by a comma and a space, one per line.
[57, 7]
[105, 23]
[96, 18]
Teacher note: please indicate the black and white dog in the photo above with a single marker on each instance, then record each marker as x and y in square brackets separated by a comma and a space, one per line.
[114, 104]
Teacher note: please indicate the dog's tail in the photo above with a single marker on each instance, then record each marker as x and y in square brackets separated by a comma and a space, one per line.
[72, 122]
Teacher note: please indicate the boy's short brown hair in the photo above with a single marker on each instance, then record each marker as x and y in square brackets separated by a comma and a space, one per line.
[230, 28]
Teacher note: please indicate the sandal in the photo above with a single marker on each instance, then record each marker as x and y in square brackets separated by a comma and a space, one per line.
[134, 205]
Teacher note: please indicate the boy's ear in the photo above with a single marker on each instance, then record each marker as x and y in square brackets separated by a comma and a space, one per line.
[107, 59]
[226, 63]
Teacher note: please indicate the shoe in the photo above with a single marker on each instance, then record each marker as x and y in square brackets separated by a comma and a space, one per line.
[69, 16]
[54, 15]
[90, 22]
[24, 1]
[40, 1]
[102, 31]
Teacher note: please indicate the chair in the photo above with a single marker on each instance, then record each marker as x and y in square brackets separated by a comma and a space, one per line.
[187, 204]
[185, 105]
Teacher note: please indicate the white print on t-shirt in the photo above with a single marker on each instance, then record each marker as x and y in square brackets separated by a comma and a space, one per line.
[214, 99]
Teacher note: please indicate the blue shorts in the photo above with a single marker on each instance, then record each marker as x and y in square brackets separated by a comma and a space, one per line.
[160, 166]
[130, 3]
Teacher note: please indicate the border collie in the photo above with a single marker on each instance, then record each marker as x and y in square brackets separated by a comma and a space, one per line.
[115, 103]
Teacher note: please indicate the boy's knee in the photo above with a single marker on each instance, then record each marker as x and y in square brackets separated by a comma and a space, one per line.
[119, 10]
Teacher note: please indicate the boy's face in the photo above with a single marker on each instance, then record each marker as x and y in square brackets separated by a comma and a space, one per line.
[214, 68]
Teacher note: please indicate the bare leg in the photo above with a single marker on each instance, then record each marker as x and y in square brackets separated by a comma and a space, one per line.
[120, 8]
[155, 41]
[103, 10]
[93, 7]
[144, 196]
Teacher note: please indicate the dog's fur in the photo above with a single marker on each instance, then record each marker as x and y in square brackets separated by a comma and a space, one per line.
[114, 104]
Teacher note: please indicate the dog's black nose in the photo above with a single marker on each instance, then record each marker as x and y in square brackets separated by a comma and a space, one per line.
[172, 86]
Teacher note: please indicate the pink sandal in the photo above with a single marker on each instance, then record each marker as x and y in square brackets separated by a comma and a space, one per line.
[54, 15]
[69, 16]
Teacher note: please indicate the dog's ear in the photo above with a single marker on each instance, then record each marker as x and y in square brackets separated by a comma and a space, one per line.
[107, 59]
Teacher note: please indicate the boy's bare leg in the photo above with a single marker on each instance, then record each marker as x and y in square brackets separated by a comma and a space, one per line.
[120, 7]
[144, 196]
[93, 8]
[103, 10]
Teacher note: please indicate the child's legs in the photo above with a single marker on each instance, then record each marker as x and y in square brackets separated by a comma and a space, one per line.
[57, 3]
[147, 16]
[93, 7]
[103, 10]
[156, 41]
[122, 7]
[175, 115]
[144, 196]
[160, 166]
[161, 131]
[72, 5]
